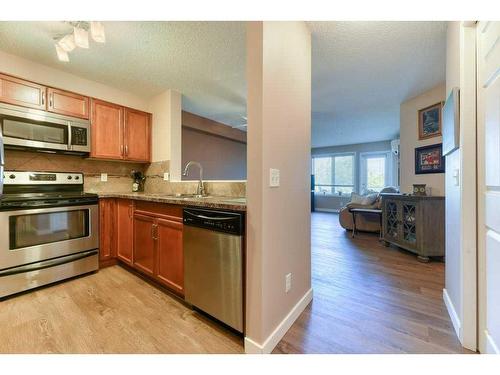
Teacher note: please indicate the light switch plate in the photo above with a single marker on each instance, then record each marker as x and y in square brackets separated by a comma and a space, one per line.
[104, 177]
[274, 177]
[166, 176]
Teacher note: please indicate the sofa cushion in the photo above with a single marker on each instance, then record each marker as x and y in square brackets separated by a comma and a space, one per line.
[364, 200]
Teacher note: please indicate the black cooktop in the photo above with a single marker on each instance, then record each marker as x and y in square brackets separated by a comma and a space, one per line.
[38, 200]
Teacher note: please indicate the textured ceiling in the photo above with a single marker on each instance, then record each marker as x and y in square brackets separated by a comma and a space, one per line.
[362, 71]
[205, 61]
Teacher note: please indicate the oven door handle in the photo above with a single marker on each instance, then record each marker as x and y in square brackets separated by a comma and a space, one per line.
[47, 263]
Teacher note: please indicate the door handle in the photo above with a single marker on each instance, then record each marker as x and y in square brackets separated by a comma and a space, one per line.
[121, 150]
[154, 231]
[51, 100]
[126, 150]
[43, 97]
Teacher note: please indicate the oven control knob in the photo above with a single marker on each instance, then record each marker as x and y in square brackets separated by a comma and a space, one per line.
[69, 177]
[12, 176]
[77, 177]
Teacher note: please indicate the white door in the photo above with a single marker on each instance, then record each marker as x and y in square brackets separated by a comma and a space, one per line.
[375, 171]
[488, 91]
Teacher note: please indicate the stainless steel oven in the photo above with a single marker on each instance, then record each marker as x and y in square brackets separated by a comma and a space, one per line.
[48, 229]
[26, 128]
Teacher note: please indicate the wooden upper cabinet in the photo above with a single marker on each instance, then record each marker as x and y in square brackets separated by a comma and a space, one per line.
[125, 230]
[106, 130]
[20, 92]
[137, 135]
[170, 257]
[68, 103]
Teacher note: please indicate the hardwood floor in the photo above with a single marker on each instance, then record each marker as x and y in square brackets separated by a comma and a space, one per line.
[112, 311]
[370, 299]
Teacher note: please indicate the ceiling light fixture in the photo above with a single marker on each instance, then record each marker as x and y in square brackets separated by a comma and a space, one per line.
[97, 32]
[81, 37]
[62, 55]
[78, 37]
[67, 43]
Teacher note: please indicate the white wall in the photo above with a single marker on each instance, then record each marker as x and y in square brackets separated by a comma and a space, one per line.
[409, 141]
[460, 274]
[279, 221]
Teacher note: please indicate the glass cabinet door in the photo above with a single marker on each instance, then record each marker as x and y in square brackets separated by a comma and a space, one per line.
[392, 220]
[409, 219]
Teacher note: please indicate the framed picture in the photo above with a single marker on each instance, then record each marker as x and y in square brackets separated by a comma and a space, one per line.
[429, 159]
[429, 122]
[451, 122]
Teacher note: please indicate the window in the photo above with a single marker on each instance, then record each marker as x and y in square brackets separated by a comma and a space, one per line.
[375, 171]
[334, 174]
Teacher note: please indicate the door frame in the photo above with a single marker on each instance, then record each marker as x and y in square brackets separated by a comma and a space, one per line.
[388, 167]
[485, 344]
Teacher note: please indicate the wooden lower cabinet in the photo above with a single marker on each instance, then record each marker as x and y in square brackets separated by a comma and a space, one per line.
[146, 236]
[144, 244]
[107, 231]
[125, 230]
[170, 256]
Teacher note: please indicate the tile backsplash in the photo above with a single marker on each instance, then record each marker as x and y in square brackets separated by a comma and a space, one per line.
[119, 179]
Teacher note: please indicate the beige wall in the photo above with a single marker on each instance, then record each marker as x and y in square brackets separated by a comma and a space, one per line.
[221, 158]
[167, 130]
[279, 133]
[43, 74]
[409, 141]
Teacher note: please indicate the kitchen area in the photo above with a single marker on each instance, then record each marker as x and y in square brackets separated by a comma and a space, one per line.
[84, 195]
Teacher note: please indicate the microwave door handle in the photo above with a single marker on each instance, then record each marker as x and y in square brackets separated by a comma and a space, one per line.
[70, 146]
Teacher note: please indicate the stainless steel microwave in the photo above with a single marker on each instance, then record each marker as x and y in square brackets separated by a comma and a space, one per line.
[26, 128]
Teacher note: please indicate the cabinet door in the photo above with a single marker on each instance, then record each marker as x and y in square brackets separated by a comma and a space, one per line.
[170, 258]
[107, 239]
[391, 220]
[137, 135]
[409, 223]
[68, 103]
[20, 92]
[144, 243]
[107, 130]
[125, 230]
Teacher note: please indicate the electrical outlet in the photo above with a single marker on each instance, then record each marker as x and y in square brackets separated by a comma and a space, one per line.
[274, 177]
[166, 176]
[288, 282]
[104, 177]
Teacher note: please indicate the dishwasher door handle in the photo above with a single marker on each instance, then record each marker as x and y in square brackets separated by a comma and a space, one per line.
[208, 217]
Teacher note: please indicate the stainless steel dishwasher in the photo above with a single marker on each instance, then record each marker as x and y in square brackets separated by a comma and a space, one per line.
[213, 263]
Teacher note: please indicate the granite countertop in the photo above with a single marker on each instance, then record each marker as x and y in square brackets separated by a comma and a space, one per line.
[225, 203]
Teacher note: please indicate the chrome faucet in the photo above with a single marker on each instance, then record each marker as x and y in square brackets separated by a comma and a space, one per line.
[201, 188]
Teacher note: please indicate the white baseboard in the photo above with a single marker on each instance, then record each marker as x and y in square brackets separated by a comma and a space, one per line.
[335, 210]
[453, 314]
[252, 347]
[491, 346]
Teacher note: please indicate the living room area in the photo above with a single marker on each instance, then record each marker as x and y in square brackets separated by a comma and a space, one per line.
[377, 193]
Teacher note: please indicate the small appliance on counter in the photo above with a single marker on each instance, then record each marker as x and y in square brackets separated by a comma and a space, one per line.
[139, 178]
[48, 229]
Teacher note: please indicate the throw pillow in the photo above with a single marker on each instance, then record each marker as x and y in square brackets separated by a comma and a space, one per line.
[356, 198]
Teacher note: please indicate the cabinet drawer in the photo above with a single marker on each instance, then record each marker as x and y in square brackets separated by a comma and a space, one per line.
[173, 211]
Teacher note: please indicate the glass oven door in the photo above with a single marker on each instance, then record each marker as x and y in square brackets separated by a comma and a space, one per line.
[33, 235]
